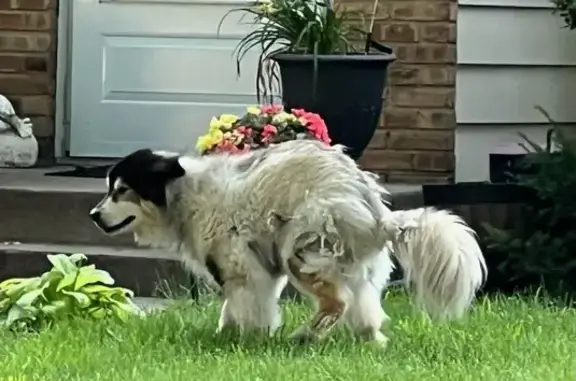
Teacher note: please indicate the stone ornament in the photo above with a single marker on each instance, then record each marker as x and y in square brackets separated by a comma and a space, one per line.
[18, 146]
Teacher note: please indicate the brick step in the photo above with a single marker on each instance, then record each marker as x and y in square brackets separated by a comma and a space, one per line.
[38, 208]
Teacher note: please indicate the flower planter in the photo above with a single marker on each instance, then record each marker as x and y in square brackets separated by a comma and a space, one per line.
[345, 89]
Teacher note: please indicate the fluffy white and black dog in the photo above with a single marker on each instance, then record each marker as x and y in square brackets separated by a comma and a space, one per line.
[297, 211]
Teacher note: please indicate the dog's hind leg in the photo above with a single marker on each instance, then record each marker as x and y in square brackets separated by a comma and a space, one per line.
[330, 295]
[366, 315]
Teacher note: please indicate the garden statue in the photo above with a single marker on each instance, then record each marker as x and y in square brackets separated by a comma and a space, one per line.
[18, 146]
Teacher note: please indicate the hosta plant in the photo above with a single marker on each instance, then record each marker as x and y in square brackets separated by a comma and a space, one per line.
[69, 289]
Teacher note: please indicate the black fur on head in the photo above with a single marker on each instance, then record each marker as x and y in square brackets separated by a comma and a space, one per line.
[147, 174]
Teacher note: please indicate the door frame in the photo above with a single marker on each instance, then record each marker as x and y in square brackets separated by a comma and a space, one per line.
[62, 96]
[63, 78]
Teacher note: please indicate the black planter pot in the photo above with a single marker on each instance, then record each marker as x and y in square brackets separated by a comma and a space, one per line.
[345, 90]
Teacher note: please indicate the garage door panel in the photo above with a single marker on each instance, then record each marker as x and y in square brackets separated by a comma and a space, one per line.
[175, 66]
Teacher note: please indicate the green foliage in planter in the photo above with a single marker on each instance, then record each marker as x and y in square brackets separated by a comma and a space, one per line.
[567, 9]
[294, 26]
[68, 289]
[541, 249]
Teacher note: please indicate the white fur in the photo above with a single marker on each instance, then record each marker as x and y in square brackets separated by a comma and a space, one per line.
[333, 216]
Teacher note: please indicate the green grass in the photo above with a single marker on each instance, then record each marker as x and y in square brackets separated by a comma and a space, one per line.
[501, 340]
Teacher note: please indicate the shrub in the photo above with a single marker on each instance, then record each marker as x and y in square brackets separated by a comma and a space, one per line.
[567, 9]
[67, 290]
[541, 249]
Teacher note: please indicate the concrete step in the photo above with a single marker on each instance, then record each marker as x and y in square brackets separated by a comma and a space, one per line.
[149, 273]
[39, 208]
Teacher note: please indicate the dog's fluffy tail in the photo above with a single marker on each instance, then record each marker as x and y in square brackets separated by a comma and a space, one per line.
[442, 261]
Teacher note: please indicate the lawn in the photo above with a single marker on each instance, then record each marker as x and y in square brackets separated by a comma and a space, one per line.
[501, 339]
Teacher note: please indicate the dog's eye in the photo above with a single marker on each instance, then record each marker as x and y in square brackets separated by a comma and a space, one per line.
[121, 190]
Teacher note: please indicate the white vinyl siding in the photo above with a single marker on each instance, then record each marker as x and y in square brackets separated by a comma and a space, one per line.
[512, 56]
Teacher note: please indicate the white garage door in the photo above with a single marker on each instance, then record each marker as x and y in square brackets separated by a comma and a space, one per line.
[151, 73]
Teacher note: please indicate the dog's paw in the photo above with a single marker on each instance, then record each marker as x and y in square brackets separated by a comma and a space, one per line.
[378, 341]
[303, 335]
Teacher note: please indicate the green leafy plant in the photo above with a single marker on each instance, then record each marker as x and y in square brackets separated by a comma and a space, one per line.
[68, 289]
[293, 26]
[567, 9]
[540, 250]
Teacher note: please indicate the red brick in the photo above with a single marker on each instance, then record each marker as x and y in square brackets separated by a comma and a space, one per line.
[32, 5]
[28, 63]
[10, 63]
[365, 8]
[437, 32]
[435, 53]
[419, 118]
[25, 20]
[375, 159]
[425, 10]
[42, 126]
[433, 140]
[412, 74]
[422, 96]
[21, 84]
[453, 11]
[25, 42]
[378, 141]
[401, 32]
[33, 105]
[400, 118]
[434, 161]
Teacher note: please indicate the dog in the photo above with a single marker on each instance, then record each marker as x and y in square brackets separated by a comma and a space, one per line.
[298, 211]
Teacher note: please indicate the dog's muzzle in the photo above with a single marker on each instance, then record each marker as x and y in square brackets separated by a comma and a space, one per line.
[96, 217]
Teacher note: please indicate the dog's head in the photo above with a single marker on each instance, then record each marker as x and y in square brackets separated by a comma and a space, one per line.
[135, 183]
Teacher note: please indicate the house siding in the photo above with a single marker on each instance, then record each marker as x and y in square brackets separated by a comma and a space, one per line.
[512, 56]
[28, 64]
[415, 141]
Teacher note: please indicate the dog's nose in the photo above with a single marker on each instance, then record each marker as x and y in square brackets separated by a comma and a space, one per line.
[95, 215]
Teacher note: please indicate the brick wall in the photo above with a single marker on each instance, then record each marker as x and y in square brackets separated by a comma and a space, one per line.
[28, 63]
[415, 142]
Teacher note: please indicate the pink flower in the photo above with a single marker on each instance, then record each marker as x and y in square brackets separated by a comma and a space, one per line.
[270, 129]
[298, 112]
[241, 129]
[271, 109]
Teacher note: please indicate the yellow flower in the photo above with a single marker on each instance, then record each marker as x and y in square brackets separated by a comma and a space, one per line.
[283, 117]
[204, 143]
[228, 119]
[217, 136]
[266, 6]
[215, 124]
[254, 110]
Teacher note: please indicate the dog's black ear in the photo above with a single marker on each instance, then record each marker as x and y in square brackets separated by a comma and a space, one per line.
[168, 168]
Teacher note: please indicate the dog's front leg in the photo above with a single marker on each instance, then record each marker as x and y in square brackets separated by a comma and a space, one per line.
[252, 306]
